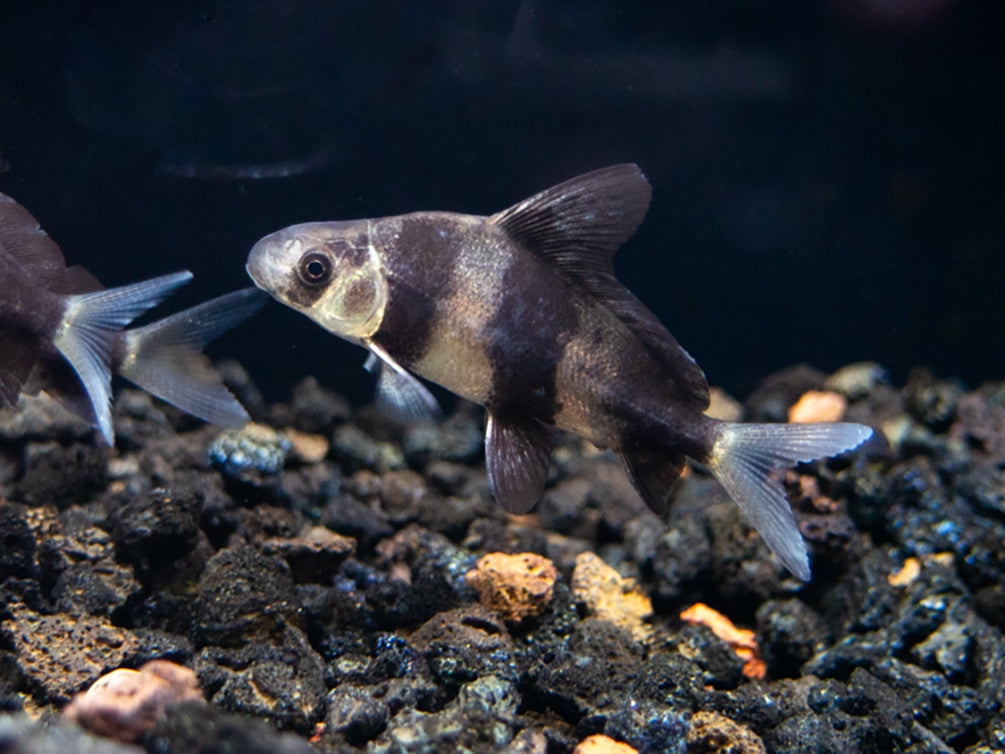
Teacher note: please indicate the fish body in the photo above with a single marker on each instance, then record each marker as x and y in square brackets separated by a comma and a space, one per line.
[61, 331]
[509, 330]
[520, 312]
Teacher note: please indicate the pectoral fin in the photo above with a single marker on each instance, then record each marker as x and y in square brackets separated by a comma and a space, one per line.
[517, 451]
[399, 394]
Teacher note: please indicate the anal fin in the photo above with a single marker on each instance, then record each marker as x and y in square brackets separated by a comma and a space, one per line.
[653, 472]
[517, 451]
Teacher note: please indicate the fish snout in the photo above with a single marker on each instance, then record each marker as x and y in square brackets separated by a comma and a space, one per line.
[260, 267]
[252, 269]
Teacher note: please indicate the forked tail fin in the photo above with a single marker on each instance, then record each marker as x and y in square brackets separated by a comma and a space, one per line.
[165, 359]
[92, 323]
[746, 458]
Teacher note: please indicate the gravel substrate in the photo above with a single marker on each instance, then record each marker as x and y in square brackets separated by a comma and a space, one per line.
[338, 583]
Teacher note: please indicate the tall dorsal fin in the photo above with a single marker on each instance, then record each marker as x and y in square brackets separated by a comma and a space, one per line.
[578, 226]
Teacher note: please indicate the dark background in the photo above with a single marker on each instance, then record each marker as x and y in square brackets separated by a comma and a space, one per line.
[827, 173]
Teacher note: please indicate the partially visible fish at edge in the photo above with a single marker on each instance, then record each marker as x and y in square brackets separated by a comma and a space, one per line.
[521, 312]
[62, 332]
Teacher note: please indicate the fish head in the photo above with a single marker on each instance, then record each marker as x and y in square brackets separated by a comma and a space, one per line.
[329, 271]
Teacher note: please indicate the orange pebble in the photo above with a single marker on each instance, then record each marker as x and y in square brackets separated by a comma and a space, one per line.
[721, 626]
[601, 744]
[319, 731]
[740, 639]
[515, 586]
[755, 669]
[906, 574]
[818, 406]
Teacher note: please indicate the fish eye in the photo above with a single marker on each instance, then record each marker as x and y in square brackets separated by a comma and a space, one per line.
[315, 268]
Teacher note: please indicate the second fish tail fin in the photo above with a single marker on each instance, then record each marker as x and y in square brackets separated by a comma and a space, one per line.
[165, 357]
[90, 331]
[747, 458]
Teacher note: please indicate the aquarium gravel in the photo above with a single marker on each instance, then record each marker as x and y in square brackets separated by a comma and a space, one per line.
[338, 582]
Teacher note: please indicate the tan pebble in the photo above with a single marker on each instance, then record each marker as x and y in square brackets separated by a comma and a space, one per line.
[515, 586]
[856, 380]
[262, 433]
[897, 430]
[818, 406]
[723, 406]
[123, 704]
[713, 732]
[321, 537]
[600, 744]
[305, 447]
[912, 567]
[123, 468]
[944, 559]
[610, 597]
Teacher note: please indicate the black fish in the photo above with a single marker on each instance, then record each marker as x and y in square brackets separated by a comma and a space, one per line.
[62, 332]
[521, 313]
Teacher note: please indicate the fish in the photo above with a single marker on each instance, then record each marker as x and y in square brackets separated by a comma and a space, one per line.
[521, 312]
[61, 331]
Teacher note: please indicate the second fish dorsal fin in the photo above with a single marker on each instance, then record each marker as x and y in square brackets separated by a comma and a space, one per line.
[578, 226]
[23, 239]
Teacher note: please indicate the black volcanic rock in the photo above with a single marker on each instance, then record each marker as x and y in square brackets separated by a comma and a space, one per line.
[326, 595]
